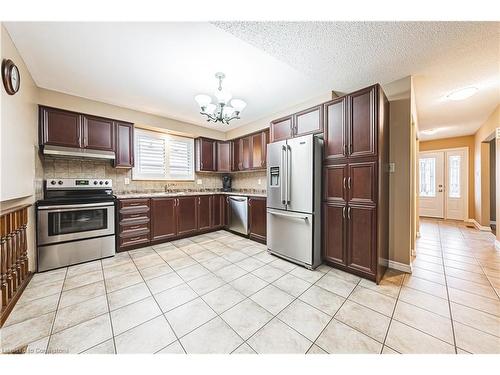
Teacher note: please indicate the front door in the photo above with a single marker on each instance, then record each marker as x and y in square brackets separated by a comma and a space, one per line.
[431, 184]
[443, 184]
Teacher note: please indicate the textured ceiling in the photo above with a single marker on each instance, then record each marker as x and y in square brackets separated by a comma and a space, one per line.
[442, 56]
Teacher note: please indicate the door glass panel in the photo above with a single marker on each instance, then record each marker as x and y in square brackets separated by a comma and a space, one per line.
[77, 221]
[454, 176]
[427, 177]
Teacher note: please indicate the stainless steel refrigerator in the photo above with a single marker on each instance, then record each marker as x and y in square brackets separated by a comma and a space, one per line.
[294, 199]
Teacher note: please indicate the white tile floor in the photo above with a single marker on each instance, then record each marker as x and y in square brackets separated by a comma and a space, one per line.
[220, 293]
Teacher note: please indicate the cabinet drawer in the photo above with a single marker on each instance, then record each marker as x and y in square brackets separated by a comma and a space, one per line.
[133, 217]
[134, 240]
[134, 203]
[133, 227]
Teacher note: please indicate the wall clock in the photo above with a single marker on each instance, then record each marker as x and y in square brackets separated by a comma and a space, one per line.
[10, 77]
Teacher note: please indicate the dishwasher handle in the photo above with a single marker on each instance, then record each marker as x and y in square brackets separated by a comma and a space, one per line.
[238, 199]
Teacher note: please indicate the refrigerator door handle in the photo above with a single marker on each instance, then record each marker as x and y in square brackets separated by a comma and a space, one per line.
[283, 175]
[290, 216]
[288, 173]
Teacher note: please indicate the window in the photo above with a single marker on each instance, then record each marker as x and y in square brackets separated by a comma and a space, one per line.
[427, 177]
[454, 170]
[162, 156]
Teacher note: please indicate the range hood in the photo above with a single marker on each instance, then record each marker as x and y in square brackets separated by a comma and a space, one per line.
[79, 153]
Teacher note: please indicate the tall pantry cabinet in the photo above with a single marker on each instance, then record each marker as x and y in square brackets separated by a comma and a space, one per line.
[356, 182]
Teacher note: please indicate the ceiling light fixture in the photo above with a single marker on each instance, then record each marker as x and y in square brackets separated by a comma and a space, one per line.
[221, 111]
[462, 94]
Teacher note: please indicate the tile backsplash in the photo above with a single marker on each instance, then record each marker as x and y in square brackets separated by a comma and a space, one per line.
[77, 168]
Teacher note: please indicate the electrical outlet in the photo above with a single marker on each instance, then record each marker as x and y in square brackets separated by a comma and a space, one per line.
[259, 181]
[199, 182]
[126, 181]
[392, 167]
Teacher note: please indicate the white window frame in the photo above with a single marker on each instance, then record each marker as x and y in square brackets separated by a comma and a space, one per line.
[166, 175]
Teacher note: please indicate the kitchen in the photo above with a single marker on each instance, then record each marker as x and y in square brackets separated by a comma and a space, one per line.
[230, 226]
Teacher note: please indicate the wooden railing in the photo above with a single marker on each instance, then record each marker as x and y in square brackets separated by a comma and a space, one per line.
[14, 272]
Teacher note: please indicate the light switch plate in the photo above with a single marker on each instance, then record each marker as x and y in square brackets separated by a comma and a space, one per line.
[126, 181]
[199, 182]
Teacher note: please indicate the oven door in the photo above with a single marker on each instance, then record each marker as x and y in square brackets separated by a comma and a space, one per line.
[76, 221]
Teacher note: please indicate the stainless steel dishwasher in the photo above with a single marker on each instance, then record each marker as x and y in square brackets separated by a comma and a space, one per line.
[238, 214]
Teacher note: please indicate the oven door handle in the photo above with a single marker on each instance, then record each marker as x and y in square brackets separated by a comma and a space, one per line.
[70, 206]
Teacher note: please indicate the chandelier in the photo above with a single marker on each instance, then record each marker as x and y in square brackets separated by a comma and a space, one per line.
[225, 109]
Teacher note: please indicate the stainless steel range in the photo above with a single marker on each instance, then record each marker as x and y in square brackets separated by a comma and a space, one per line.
[75, 222]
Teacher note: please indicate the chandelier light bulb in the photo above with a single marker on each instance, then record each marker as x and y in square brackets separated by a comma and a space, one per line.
[238, 104]
[203, 100]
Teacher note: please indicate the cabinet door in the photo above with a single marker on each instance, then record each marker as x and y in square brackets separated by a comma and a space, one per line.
[281, 129]
[217, 211]
[59, 128]
[223, 156]
[362, 124]
[335, 183]
[258, 142]
[361, 183]
[124, 143]
[206, 154]
[335, 129]
[236, 162]
[361, 248]
[334, 228]
[245, 152]
[257, 218]
[187, 221]
[204, 213]
[98, 133]
[309, 121]
[163, 218]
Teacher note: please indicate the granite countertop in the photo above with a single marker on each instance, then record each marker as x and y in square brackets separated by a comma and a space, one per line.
[187, 194]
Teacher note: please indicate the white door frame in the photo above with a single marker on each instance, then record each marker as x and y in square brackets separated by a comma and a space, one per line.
[446, 177]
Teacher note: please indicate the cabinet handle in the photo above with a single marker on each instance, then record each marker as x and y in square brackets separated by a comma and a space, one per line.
[135, 215]
[134, 227]
[346, 151]
[349, 183]
[349, 213]
[134, 204]
[135, 238]
[343, 212]
[350, 149]
[345, 181]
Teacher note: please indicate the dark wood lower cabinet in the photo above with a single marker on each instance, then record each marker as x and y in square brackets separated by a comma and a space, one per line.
[187, 221]
[257, 218]
[164, 218]
[361, 236]
[334, 249]
[145, 221]
[204, 212]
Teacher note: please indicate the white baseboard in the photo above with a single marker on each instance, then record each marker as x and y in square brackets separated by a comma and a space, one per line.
[479, 226]
[399, 266]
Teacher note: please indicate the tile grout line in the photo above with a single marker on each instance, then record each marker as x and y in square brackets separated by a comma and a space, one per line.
[109, 309]
[392, 315]
[57, 310]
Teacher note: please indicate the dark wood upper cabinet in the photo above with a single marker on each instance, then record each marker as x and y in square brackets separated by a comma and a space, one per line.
[236, 162]
[335, 129]
[258, 143]
[257, 216]
[206, 155]
[163, 218]
[204, 212]
[361, 237]
[309, 121]
[281, 129]
[124, 145]
[59, 127]
[224, 161]
[98, 133]
[187, 210]
[245, 153]
[362, 125]
[334, 249]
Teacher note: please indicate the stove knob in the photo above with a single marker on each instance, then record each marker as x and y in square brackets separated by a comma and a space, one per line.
[106, 182]
[95, 182]
[60, 182]
[100, 182]
[53, 182]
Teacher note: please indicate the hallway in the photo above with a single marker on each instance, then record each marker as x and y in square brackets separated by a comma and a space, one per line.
[458, 265]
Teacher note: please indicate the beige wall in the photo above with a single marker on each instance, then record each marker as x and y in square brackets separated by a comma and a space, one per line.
[482, 168]
[493, 172]
[467, 141]
[400, 196]
[17, 159]
[497, 149]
